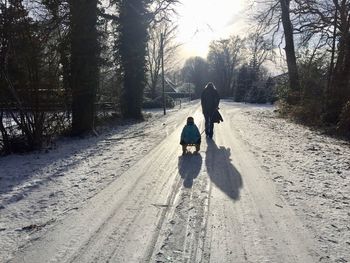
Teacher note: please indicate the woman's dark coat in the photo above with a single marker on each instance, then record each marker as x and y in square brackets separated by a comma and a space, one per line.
[210, 100]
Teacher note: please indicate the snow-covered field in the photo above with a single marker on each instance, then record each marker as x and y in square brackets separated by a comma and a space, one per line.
[311, 172]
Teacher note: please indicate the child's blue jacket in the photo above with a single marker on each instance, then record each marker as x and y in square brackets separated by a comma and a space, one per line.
[190, 134]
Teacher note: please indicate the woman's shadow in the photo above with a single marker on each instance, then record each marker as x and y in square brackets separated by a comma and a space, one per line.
[189, 166]
[221, 170]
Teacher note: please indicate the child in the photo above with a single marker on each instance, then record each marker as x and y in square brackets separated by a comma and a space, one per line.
[190, 136]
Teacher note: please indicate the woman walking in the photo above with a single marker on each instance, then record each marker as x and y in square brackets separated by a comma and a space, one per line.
[210, 102]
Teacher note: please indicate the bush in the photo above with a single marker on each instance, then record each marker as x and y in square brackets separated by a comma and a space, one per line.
[281, 89]
[158, 103]
[257, 95]
[308, 113]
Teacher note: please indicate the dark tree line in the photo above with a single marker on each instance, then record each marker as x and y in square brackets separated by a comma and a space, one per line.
[60, 59]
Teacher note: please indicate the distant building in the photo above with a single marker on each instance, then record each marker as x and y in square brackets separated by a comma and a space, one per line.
[169, 86]
[280, 79]
[172, 90]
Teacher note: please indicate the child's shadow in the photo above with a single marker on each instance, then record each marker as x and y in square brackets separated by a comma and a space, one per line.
[189, 166]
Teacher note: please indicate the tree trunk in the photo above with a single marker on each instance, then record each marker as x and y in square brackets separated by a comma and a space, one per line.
[132, 54]
[294, 84]
[84, 64]
[6, 147]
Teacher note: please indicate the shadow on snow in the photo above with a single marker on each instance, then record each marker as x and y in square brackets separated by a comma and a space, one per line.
[221, 170]
[189, 166]
[71, 153]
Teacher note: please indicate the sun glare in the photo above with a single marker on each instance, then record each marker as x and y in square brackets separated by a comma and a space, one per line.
[201, 21]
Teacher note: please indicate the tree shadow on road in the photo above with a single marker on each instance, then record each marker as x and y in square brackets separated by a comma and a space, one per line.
[221, 171]
[189, 166]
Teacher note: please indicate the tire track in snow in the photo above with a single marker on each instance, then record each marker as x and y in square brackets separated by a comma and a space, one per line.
[181, 236]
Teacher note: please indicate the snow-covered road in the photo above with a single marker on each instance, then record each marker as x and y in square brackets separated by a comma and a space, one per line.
[224, 205]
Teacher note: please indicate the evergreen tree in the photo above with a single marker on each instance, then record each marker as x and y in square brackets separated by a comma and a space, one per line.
[84, 63]
[131, 54]
[243, 85]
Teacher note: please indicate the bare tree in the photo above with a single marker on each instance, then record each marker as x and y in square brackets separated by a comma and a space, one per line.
[339, 93]
[166, 31]
[294, 83]
[330, 21]
[259, 50]
[224, 56]
[273, 15]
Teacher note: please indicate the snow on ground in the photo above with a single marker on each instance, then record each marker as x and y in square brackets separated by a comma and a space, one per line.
[312, 171]
[40, 188]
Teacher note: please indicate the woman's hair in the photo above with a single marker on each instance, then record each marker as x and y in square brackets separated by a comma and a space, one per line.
[210, 85]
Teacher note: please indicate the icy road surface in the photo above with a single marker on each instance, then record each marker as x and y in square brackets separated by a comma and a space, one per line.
[251, 195]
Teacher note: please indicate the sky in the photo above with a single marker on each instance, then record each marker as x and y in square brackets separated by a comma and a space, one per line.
[201, 21]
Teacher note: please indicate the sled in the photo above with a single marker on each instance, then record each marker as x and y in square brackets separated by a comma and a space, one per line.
[187, 151]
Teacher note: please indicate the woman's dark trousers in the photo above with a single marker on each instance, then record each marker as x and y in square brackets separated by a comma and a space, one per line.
[209, 125]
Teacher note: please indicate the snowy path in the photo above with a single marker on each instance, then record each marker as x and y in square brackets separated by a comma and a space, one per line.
[232, 213]
[219, 206]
